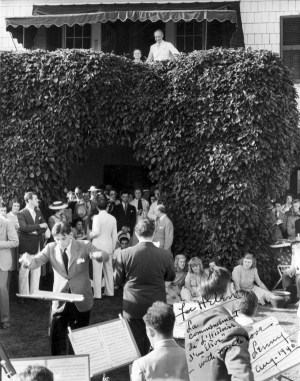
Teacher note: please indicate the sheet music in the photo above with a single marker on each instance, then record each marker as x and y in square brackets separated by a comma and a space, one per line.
[109, 345]
[64, 368]
[49, 295]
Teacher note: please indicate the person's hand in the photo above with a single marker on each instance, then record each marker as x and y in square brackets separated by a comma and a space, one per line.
[125, 229]
[25, 260]
[97, 255]
[43, 225]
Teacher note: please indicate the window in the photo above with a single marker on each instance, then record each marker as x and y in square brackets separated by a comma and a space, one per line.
[189, 36]
[78, 37]
[290, 43]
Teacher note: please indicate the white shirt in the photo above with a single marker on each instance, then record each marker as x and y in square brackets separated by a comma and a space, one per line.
[32, 212]
[162, 52]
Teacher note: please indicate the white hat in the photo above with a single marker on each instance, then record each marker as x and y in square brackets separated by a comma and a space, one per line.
[58, 205]
[93, 188]
[121, 235]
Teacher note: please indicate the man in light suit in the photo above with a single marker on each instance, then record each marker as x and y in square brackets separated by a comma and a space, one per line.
[70, 261]
[104, 236]
[161, 50]
[168, 359]
[164, 230]
[32, 227]
[8, 240]
[151, 214]
[144, 269]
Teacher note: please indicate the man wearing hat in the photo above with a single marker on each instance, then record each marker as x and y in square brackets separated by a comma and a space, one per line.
[104, 236]
[123, 240]
[94, 192]
[59, 216]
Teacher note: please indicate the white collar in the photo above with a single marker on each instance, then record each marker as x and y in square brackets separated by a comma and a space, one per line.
[162, 217]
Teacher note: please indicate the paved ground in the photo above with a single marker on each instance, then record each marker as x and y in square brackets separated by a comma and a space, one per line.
[28, 336]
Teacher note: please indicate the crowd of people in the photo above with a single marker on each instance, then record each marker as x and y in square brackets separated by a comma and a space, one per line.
[128, 238]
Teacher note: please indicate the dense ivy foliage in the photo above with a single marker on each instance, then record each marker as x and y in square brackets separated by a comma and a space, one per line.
[217, 128]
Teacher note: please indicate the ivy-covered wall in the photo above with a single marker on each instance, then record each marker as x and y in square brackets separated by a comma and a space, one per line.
[218, 128]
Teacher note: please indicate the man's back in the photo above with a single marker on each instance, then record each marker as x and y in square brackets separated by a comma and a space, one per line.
[144, 268]
[105, 226]
[166, 361]
[164, 233]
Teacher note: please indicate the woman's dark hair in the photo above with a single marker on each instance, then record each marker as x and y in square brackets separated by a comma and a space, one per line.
[138, 50]
[74, 222]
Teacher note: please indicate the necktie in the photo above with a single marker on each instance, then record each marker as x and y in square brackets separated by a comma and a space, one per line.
[65, 259]
[140, 205]
[125, 208]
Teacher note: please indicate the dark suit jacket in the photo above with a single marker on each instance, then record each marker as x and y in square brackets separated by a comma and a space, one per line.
[125, 220]
[297, 227]
[225, 353]
[30, 243]
[145, 269]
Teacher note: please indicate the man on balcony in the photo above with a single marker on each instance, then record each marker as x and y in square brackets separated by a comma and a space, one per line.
[161, 50]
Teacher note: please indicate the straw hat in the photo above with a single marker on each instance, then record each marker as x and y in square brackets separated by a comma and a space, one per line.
[93, 188]
[58, 205]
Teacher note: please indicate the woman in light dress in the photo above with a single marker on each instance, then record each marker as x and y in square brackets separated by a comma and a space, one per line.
[245, 274]
[191, 290]
[173, 288]
[142, 208]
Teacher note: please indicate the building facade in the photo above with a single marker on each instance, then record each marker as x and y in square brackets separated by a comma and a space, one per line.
[121, 26]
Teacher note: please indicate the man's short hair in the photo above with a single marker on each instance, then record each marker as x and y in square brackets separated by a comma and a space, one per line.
[78, 187]
[296, 201]
[160, 317]
[278, 201]
[161, 208]
[63, 228]
[214, 283]
[145, 228]
[124, 239]
[35, 373]
[159, 30]
[28, 196]
[101, 204]
[247, 304]
[124, 191]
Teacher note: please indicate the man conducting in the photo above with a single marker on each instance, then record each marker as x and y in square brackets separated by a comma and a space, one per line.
[70, 261]
[161, 50]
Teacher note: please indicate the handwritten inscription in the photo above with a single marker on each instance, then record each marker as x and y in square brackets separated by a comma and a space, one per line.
[270, 350]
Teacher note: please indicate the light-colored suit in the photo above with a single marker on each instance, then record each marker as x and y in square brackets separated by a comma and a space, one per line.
[77, 280]
[164, 233]
[166, 362]
[151, 213]
[162, 52]
[8, 240]
[104, 233]
[145, 205]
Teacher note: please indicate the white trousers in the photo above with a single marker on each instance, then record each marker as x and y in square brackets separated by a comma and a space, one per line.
[24, 287]
[108, 273]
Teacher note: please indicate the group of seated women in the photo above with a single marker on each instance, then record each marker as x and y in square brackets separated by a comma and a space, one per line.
[186, 285]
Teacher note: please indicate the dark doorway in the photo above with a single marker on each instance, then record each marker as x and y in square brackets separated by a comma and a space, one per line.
[126, 176]
[123, 37]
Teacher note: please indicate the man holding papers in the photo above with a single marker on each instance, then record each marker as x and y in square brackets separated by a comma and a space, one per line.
[70, 261]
